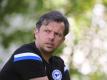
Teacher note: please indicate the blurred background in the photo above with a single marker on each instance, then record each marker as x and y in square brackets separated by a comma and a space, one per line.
[85, 48]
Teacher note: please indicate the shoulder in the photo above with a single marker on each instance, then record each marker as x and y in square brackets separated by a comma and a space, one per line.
[25, 48]
[27, 56]
[26, 52]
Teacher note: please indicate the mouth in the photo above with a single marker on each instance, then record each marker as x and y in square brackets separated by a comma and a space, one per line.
[49, 45]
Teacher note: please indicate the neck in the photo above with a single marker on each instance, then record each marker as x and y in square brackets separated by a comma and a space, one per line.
[44, 54]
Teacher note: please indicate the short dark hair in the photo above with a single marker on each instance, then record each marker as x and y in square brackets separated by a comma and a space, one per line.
[53, 16]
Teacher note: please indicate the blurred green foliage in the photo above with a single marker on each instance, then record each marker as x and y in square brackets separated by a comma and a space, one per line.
[33, 9]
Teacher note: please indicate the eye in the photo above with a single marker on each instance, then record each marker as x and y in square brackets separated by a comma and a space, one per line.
[48, 31]
[58, 34]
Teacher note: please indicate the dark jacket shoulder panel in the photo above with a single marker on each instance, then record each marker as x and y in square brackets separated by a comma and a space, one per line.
[25, 48]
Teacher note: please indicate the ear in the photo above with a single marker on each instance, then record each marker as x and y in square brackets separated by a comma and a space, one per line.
[35, 33]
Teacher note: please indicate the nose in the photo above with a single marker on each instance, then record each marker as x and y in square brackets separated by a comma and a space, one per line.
[51, 36]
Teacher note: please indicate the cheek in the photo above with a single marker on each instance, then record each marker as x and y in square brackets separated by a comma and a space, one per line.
[58, 42]
[41, 37]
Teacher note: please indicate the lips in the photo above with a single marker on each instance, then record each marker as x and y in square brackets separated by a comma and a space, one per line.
[49, 44]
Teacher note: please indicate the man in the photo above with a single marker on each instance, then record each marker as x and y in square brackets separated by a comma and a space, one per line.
[35, 61]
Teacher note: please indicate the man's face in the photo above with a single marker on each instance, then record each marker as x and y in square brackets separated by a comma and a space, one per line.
[50, 36]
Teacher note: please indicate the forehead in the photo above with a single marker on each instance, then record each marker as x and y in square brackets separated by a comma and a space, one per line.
[55, 26]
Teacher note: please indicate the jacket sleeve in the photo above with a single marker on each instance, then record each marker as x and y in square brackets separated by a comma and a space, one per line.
[28, 65]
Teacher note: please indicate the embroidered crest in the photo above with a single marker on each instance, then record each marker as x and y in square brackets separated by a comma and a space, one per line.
[56, 74]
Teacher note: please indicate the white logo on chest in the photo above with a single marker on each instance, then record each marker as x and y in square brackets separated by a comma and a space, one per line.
[56, 74]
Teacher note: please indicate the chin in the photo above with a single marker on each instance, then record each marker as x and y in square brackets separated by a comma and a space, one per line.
[49, 50]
